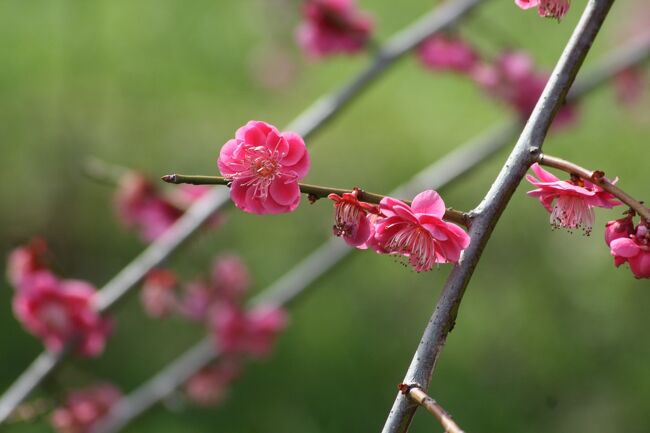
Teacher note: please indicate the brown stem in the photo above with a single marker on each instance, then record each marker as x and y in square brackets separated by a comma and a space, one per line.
[597, 177]
[418, 395]
[314, 192]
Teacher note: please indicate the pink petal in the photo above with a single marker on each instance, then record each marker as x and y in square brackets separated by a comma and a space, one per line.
[543, 175]
[296, 148]
[527, 4]
[284, 193]
[429, 202]
[624, 247]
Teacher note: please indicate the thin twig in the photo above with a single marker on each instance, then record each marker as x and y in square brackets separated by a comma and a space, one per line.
[294, 283]
[597, 177]
[416, 393]
[312, 119]
[486, 215]
[313, 191]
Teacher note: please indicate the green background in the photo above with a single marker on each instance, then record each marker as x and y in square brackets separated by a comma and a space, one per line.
[550, 336]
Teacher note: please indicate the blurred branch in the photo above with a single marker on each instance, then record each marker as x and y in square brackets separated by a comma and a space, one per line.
[290, 286]
[102, 171]
[488, 212]
[315, 192]
[416, 393]
[597, 177]
[306, 124]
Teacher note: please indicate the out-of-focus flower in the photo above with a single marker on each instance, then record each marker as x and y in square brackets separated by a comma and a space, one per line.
[150, 211]
[26, 260]
[419, 232]
[158, 295]
[264, 166]
[513, 80]
[229, 281]
[547, 8]
[333, 27]
[446, 53]
[350, 218]
[571, 202]
[209, 385]
[58, 311]
[629, 85]
[630, 244]
[251, 333]
[83, 408]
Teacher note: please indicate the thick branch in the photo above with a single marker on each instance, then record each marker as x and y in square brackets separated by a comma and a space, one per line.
[314, 192]
[596, 177]
[489, 211]
[420, 397]
[312, 119]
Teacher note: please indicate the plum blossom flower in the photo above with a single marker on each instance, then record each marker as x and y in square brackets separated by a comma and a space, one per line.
[419, 232]
[247, 332]
[630, 244]
[209, 385]
[25, 261]
[333, 27]
[264, 167]
[59, 310]
[350, 218]
[447, 53]
[157, 296]
[83, 408]
[546, 8]
[571, 202]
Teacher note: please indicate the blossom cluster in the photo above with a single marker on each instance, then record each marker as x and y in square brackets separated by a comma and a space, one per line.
[58, 311]
[217, 303]
[141, 206]
[630, 244]
[416, 231]
[511, 77]
[83, 408]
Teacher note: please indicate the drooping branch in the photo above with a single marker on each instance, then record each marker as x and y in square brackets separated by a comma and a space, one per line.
[312, 119]
[416, 393]
[294, 283]
[597, 177]
[313, 191]
[486, 215]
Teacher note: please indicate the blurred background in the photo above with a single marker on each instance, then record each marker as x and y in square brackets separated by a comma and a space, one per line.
[550, 336]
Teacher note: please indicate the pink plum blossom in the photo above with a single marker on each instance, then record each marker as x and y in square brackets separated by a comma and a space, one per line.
[419, 232]
[209, 385]
[264, 167]
[630, 244]
[252, 333]
[25, 261]
[58, 311]
[83, 408]
[571, 202]
[447, 53]
[158, 295]
[333, 27]
[350, 218]
[546, 8]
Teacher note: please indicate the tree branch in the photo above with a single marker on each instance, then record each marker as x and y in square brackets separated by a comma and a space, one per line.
[315, 192]
[486, 215]
[416, 393]
[305, 124]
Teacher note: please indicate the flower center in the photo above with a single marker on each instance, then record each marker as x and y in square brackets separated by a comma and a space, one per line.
[416, 243]
[573, 213]
[347, 217]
